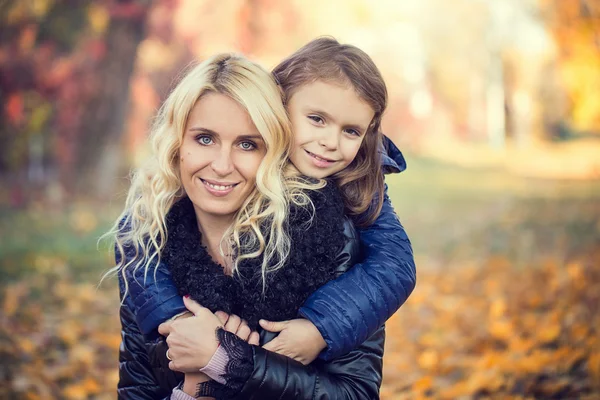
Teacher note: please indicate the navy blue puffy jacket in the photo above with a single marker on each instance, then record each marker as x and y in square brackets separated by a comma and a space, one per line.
[346, 310]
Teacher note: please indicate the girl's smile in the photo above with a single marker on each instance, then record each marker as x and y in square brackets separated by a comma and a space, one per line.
[320, 162]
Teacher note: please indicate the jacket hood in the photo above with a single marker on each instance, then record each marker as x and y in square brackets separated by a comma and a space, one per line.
[392, 160]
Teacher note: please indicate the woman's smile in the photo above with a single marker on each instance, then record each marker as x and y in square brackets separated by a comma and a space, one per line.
[217, 188]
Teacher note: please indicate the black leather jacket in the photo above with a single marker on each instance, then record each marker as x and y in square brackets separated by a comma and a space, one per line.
[144, 372]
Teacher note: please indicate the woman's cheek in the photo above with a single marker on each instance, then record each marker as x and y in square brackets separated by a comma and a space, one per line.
[248, 163]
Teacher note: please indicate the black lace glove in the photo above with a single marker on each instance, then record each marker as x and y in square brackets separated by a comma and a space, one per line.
[237, 371]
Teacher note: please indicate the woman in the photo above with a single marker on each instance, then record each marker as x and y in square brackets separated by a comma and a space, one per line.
[220, 146]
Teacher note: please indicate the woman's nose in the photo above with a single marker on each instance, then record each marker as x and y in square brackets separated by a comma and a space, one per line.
[222, 164]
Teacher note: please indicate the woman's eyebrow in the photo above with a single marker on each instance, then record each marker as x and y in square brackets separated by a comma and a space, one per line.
[252, 137]
[202, 130]
[213, 133]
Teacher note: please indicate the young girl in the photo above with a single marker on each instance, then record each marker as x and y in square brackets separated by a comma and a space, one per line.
[335, 98]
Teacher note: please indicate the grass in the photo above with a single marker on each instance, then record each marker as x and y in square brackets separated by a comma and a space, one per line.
[448, 211]
[461, 213]
[65, 239]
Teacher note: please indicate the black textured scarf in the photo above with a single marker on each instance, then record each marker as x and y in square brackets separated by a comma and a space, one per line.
[312, 262]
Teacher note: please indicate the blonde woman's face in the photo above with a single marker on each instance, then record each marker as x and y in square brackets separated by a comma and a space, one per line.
[219, 156]
[329, 123]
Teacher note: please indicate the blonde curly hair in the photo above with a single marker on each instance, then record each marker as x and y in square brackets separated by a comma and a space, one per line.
[156, 186]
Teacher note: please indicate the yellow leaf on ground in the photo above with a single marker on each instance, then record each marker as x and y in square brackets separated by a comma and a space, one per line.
[429, 359]
[549, 333]
[501, 329]
[75, 392]
[423, 384]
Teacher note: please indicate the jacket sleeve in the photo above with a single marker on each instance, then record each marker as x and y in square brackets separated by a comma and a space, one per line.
[350, 308]
[137, 376]
[157, 301]
[356, 375]
[153, 296]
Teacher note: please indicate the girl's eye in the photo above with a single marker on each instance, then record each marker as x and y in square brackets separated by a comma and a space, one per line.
[353, 132]
[204, 140]
[247, 146]
[316, 118]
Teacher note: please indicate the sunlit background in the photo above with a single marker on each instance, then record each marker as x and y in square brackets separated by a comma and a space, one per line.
[494, 103]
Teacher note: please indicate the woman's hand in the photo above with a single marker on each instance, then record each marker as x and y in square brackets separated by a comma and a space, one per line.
[192, 341]
[234, 324]
[298, 339]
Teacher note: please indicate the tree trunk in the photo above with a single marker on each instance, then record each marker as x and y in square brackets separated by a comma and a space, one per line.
[99, 153]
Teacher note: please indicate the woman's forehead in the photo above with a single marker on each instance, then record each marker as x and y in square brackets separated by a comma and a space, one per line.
[221, 114]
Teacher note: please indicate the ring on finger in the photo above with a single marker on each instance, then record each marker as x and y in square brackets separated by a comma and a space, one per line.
[168, 357]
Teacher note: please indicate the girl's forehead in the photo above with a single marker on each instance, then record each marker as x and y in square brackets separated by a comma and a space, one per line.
[340, 103]
[324, 92]
[329, 85]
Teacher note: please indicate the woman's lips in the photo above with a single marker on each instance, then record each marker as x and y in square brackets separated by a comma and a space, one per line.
[319, 161]
[218, 189]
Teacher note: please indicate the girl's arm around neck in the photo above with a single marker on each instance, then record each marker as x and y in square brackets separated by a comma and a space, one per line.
[153, 297]
[350, 308]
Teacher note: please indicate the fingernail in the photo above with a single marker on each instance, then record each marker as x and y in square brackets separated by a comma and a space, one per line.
[187, 296]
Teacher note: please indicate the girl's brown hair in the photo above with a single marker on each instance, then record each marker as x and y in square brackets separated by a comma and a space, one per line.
[326, 59]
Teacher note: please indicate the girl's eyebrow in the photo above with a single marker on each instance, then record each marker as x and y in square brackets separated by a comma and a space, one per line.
[356, 127]
[325, 114]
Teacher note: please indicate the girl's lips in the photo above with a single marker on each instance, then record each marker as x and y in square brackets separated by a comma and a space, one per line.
[318, 161]
[216, 189]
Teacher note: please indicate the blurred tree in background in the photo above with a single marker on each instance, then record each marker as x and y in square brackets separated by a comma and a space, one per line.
[64, 80]
[575, 26]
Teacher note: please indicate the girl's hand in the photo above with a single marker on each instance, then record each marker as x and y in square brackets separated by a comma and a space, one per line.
[192, 341]
[234, 324]
[298, 339]
[191, 382]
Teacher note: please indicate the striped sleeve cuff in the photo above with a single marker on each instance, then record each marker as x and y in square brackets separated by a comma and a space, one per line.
[216, 367]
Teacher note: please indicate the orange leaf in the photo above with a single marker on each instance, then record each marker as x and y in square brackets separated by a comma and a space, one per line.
[429, 359]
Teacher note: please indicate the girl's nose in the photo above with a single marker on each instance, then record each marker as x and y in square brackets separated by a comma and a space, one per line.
[329, 139]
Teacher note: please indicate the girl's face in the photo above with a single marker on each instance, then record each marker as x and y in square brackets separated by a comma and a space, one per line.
[329, 123]
[219, 156]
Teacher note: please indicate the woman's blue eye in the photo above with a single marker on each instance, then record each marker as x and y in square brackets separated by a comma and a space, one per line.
[204, 140]
[316, 119]
[247, 146]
